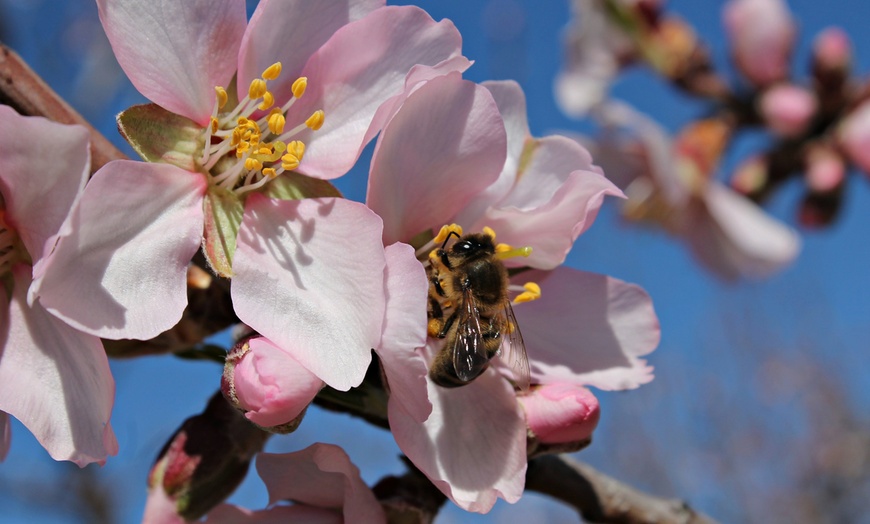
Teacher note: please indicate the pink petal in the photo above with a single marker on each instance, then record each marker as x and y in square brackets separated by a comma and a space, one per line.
[56, 381]
[362, 66]
[44, 167]
[309, 275]
[443, 147]
[323, 476]
[228, 514]
[561, 413]
[120, 269]
[734, 237]
[472, 446]
[407, 289]
[175, 53]
[290, 32]
[854, 136]
[272, 385]
[588, 329]
[160, 508]
[555, 200]
[5, 435]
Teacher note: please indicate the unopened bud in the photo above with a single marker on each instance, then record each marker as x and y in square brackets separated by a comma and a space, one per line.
[269, 385]
[825, 169]
[206, 459]
[761, 34]
[832, 57]
[561, 413]
[787, 109]
[853, 135]
[751, 177]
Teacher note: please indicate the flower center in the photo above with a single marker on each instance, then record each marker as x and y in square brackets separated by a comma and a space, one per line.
[11, 250]
[243, 153]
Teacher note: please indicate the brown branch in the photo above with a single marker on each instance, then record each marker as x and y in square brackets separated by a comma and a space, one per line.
[24, 90]
[599, 498]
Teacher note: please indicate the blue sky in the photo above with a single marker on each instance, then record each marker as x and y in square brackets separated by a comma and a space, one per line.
[716, 337]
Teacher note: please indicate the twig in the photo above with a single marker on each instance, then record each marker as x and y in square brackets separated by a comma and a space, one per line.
[22, 89]
[599, 498]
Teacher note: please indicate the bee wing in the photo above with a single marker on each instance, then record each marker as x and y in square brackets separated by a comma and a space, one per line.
[514, 351]
[469, 355]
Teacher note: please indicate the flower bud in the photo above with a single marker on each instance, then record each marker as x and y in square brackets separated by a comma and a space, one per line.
[202, 463]
[825, 169]
[832, 57]
[751, 176]
[762, 34]
[787, 109]
[854, 136]
[269, 385]
[561, 413]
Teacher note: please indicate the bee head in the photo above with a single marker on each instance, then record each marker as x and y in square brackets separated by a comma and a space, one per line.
[474, 245]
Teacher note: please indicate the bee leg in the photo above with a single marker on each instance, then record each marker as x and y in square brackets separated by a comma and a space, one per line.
[436, 318]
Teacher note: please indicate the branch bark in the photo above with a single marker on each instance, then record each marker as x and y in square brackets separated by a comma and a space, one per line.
[599, 498]
[22, 89]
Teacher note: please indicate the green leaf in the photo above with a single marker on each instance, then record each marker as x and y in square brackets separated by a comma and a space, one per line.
[223, 216]
[295, 186]
[162, 136]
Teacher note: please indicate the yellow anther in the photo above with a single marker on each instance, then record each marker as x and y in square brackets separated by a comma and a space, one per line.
[501, 253]
[296, 148]
[214, 124]
[272, 72]
[315, 120]
[503, 248]
[446, 230]
[270, 172]
[488, 231]
[268, 101]
[257, 88]
[276, 122]
[289, 162]
[299, 86]
[252, 164]
[221, 94]
[532, 292]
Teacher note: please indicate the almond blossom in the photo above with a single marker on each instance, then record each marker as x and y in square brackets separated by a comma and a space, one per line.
[226, 171]
[54, 379]
[762, 34]
[476, 164]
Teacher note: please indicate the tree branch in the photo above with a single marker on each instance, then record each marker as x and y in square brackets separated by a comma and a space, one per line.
[599, 498]
[22, 89]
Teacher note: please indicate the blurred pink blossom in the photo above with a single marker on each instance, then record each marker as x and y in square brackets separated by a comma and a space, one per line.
[832, 49]
[762, 34]
[788, 109]
[561, 413]
[854, 136]
[54, 379]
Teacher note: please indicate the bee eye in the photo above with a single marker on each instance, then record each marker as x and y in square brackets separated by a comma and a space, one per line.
[464, 246]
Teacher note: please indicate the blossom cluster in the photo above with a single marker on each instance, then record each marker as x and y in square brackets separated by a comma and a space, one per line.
[817, 126]
[249, 119]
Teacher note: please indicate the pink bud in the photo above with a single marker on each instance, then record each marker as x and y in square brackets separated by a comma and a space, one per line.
[788, 109]
[854, 136]
[270, 385]
[561, 413]
[762, 34]
[751, 176]
[825, 170]
[832, 49]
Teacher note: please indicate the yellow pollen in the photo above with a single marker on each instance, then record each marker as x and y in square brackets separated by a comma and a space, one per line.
[276, 122]
[299, 86]
[221, 94]
[289, 162]
[315, 121]
[270, 172]
[268, 101]
[214, 124]
[488, 231]
[252, 164]
[272, 72]
[504, 251]
[296, 148]
[446, 230]
[257, 88]
[532, 292]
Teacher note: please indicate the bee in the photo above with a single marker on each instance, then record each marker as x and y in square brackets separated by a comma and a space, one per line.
[470, 282]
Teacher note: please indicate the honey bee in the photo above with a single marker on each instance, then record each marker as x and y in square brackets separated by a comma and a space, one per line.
[471, 281]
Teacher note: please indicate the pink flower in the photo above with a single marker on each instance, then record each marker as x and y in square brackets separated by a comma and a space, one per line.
[788, 109]
[475, 163]
[53, 378]
[728, 233]
[321, 481]
[138, 225]
[561, 413]
[832, 51]
[854, 136]
[762, 34]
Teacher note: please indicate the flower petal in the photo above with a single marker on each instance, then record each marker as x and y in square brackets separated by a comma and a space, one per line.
[320, 475]
[444, 146]
[309, 275]
[290, 32]
[363, 65]
[561, 413]
[407, 289]
[56, 381]
[45, 167]
[229, 514]
[272, 385]
[588, 329]
[734, 237]
[120, 268]
[175, 53]
[472, 446]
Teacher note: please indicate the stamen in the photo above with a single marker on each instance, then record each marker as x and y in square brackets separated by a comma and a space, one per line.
[272, 72]
[299, 86]
[257, 88]
[315, 121]
[532, 292]
[489, 232]
[504, 251]
[222, 97]
[276, 122]
[445, 231]
[268, 101]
